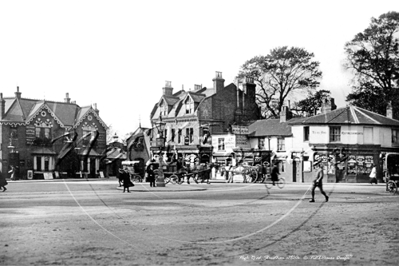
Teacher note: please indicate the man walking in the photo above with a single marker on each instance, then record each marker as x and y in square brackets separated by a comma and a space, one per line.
[318, 182]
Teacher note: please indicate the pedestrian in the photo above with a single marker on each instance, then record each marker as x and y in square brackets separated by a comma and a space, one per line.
[12, 172]
[126, 180]
[151, 175]
[181, 170]
[230, 173]
[318, 182]
[120, 177]
[3, 182]
[274, 174]
[373, 174]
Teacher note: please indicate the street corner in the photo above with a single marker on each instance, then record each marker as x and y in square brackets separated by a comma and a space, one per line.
[167, 188]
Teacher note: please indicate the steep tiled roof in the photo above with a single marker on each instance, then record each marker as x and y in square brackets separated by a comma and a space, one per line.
[64, 111]
[14, 113]
[21, 110]
[171, 100]
[349, 114]
[197, 97]
[269, 127]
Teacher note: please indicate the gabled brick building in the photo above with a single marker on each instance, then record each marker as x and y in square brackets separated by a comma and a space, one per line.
[191, 116]
[27, 127]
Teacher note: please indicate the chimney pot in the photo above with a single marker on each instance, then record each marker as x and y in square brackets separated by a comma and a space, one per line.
[67, 99]
[17, 93]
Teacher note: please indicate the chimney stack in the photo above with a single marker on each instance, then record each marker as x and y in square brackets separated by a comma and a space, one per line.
[2, 106]
[168, 90]
[17, 93]
[389, 110]
[95, 108]
[67, 99]
[218, 82]
[327, 105]
[285, 114]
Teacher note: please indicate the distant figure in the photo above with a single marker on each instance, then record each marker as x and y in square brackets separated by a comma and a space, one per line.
[3, 182]
[318, 182]
[12, 172]
[373, 174]
[229, 173]
[151, 175]
[126, 180]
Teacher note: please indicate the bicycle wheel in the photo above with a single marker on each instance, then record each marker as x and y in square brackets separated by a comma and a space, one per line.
[281, 182]
[392, 187]
[173, 179]
[136, 178]
[166, 179]
[268, 182]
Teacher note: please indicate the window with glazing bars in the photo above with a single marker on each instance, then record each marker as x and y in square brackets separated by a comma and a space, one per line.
[335, 134]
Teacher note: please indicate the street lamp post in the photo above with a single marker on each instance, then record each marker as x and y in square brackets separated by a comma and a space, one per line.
[13, 159]
[160, 143]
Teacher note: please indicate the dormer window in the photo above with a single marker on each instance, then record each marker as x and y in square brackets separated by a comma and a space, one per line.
[163, 108]
[189, 104]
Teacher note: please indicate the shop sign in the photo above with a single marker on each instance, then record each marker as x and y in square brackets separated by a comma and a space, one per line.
[351, 133]
[241, 130]
[319, 132]
[242, 141]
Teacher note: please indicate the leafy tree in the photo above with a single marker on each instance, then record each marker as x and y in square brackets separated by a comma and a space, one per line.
[310, 105]
[279, 74]
[373, 56]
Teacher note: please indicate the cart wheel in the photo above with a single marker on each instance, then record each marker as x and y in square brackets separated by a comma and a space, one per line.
[392, 187]
[254, 176]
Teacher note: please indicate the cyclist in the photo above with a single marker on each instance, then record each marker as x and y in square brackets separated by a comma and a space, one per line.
[274, 174]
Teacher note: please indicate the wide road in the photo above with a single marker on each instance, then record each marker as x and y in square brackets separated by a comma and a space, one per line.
[68, 222]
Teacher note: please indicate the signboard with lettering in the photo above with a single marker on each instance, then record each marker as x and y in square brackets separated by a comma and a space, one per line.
[242, 130]
[318, 134]
[30, 135]
[242, 141]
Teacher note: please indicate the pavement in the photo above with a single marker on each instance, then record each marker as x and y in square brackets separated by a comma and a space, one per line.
[138, 187]
[145, 186]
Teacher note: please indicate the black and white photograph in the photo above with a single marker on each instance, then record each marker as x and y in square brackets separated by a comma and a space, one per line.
[224, 132]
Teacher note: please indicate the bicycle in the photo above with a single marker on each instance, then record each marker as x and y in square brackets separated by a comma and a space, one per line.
[269, 183]
[392, 187]
[136, 178]
[168, 178]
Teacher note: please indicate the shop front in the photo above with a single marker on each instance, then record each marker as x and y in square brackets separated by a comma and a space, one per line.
[348, 163]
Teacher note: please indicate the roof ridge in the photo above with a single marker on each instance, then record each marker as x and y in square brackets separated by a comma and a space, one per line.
[360, 111]
[383, 116]
[354, 114]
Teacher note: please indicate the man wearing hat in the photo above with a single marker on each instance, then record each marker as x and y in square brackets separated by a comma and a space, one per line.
[318, 182]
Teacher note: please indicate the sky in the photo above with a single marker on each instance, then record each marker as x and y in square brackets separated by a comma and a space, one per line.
[119, 54]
